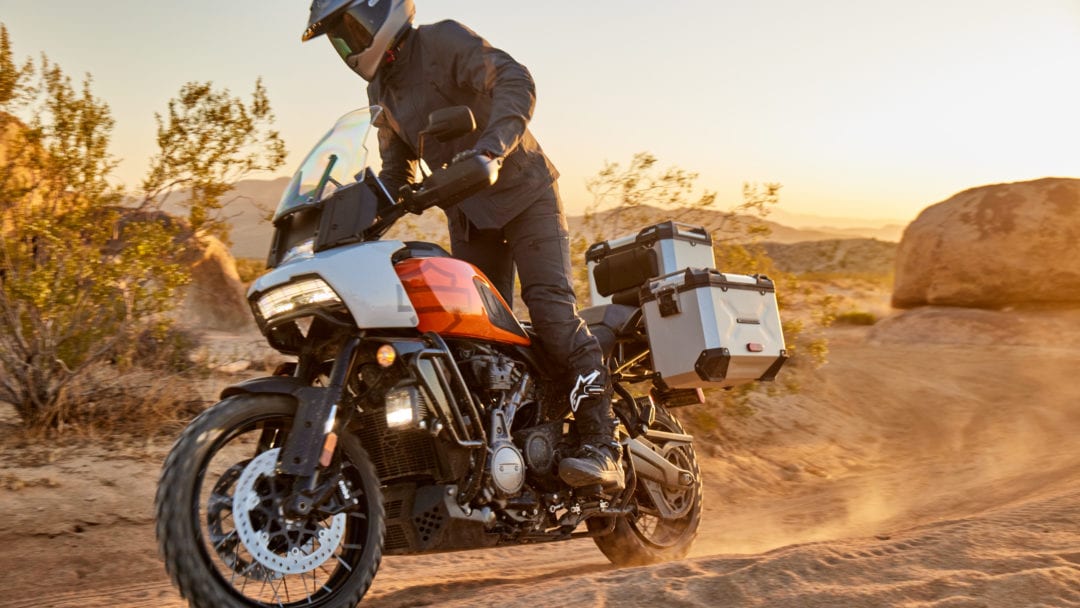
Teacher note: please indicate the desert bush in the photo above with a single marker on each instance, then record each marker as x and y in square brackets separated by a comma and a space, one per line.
[84, 279]
[250, 269]
[207, 142]
[163, 347]
[109, 400]
[856, 317]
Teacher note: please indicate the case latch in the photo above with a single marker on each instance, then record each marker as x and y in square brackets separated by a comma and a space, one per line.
[668, 301]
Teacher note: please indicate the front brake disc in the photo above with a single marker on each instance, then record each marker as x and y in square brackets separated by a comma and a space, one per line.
[285, 546]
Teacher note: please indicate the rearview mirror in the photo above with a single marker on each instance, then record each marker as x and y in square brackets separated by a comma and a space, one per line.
[450, 123]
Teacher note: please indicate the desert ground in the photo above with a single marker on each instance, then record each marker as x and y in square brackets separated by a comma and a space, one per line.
[918, 468]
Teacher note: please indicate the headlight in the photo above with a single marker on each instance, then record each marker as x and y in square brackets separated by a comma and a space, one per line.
[303, 293]
[404, 408]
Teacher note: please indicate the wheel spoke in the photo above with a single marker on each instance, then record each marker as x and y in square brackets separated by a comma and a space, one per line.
[228, 537]
[303, 580]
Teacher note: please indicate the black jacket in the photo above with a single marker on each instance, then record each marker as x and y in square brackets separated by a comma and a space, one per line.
[447, 64]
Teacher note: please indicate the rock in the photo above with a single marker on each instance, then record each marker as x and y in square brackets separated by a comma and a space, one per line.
[994, 246]
[235, 367]
[215, 298]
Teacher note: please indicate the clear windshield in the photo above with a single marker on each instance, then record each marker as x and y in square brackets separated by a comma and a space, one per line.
[336, 161]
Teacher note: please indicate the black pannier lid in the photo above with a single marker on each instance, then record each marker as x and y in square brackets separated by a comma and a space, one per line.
[626, 269]
[694, 278]
[670, 230]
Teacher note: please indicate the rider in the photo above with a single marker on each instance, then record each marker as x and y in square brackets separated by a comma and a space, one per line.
[519, 221]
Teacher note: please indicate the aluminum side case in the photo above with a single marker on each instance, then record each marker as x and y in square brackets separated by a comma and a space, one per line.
[363, 277]
[708, 329]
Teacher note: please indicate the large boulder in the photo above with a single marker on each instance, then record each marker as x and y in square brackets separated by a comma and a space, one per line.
[215, 298]
[994, 247]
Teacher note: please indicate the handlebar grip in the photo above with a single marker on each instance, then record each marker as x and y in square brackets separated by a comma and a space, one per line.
[450, 185]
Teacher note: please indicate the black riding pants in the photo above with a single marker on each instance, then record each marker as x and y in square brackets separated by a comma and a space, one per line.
[537, 243]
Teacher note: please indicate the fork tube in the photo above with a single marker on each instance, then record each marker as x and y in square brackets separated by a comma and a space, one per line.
[314, 412]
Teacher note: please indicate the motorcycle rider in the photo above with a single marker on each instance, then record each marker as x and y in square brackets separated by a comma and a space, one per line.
[413, 71]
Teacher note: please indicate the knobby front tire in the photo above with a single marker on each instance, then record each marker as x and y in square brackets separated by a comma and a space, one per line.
[198, 537]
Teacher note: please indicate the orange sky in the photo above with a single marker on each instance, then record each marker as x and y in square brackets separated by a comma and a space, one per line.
[860, 108]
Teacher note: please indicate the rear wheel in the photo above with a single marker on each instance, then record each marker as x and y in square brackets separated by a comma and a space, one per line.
[222, 530]
[665, 520]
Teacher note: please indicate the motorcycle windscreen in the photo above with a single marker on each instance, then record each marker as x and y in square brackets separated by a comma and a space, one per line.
[337, 161]
[453, 299]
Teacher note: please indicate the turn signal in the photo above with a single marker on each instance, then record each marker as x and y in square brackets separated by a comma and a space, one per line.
[386, 355]
[328, 449]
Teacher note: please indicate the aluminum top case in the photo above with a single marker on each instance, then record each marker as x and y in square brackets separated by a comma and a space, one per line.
[708, 329]
[619, 267]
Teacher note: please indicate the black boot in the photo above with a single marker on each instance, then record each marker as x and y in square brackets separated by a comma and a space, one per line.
[597, 460]
[594, 465]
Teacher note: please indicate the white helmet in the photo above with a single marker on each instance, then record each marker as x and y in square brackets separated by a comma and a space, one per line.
[362, 31]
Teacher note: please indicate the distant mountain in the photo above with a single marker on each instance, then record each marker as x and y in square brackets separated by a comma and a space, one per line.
[251, 205]
[892, 232]
[250, 215]
[862, 256]
[883, 229]
[253, 201]
[779, 233]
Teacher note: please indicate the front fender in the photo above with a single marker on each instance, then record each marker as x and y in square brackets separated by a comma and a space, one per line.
[271, 385]
[314, 405]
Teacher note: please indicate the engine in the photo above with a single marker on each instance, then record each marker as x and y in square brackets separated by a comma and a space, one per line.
[488, 372]
[522, 451]
[506, 491]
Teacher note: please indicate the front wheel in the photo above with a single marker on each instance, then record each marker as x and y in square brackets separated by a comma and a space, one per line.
[224, 534]
[665, 520]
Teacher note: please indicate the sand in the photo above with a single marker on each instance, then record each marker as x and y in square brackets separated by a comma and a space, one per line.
[902, 474]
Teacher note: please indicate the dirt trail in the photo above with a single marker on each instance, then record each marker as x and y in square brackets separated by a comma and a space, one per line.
[901, 475]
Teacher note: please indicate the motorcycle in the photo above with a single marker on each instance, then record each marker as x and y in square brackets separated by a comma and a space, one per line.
[419, 416]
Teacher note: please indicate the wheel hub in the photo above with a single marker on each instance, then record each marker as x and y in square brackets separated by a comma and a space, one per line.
[283, 545]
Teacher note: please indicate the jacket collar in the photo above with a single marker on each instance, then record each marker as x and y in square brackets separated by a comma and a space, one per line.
[398, 57]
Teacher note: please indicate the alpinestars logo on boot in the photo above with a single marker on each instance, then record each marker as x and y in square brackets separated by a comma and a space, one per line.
[585, 389]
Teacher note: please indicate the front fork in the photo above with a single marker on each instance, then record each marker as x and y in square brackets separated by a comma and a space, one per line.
[313, 430]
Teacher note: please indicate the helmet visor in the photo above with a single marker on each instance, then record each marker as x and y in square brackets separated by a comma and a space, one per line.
[355, 30]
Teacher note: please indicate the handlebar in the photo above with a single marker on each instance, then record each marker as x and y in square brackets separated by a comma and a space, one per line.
[445, 188]
[452, 184]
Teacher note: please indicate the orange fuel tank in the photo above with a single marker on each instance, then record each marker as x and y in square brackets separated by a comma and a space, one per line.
[453, 299]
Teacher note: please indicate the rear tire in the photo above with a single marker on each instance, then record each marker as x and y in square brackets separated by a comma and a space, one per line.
[645, 537]
[211, 577]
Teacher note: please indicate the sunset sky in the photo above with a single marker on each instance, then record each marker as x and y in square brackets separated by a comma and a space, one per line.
[861, 108]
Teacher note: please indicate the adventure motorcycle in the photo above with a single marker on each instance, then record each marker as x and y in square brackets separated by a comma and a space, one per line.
[419, 416]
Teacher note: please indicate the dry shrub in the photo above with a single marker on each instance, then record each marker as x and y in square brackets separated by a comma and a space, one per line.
[111, 401]
[856, 317]
[250, 269]
[14, 483]
[164, 347]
